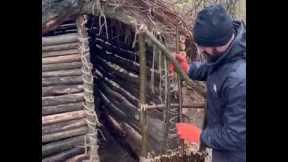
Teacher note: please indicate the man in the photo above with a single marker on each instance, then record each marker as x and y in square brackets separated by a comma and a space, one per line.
[223, 41]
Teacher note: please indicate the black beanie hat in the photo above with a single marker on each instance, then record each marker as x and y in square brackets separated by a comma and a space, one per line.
[213, 27]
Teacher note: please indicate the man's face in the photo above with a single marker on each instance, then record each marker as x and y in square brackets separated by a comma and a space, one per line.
[212, 53]
[208, 50]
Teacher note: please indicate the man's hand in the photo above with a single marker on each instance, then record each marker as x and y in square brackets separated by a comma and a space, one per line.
[189, 132]
[182, 59]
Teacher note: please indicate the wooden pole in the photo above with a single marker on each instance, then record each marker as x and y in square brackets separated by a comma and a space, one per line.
[78, 158]
[60, 53]
[61, 66]
[62, 145]
[63, 99]
[180, 91]
[143, 115]
[63, 126]
[61, 90]
[53, 40]
[67, 80]
[61, 73]
[49, 110]
[63, 155]
[60, 47]
[170, 57]
[61, 59]
[50, 119]
[64, 134]
[166, 110]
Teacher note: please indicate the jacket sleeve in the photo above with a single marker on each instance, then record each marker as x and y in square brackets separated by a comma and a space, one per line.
[198, 71]
[232, 134]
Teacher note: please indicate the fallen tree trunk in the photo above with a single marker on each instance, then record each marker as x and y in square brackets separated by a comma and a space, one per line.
[61, 90]
[67, 80]
[61, 59]
[63, 145]
[61, 66]
[61, 73]
[60, 47]
[64, 99]
[60, 39]
[64, 134]
[49, 110]
[62, 126]
[50, 119]
[59, 53]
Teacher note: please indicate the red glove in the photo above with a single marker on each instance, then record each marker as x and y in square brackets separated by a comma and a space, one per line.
[181, 58]
[188, 132]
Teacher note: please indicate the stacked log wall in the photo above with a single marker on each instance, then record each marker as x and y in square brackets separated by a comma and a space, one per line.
[63, 118]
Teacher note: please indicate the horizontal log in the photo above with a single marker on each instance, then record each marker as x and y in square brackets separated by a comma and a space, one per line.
[126, 80]
[61, 59]
[60, 39]
[64, 134]
[49, 110]
[128, 65]
[192, 106]
[50, 119]
[60, 47]
[63, 156]
[121, 102]
[60, 53]
[116, 87]
[61, 66]
[61, 90]
[121, 46]
[62, 145]
[61, 73]
[78, 158]
[64, 99]
[155, 126]
[112, 109]
[133, 89]
[125, 53]
[118, 72]
[130, 137]
[67, 80]
[63, 126]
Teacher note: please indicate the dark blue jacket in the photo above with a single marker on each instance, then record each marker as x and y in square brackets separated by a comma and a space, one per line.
[226, 100]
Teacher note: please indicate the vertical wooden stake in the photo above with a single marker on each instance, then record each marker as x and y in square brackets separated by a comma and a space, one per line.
[180, 91]
[143, 113]
[92, 120]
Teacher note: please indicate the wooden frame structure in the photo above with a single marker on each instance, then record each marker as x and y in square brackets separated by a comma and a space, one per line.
[126, 80]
